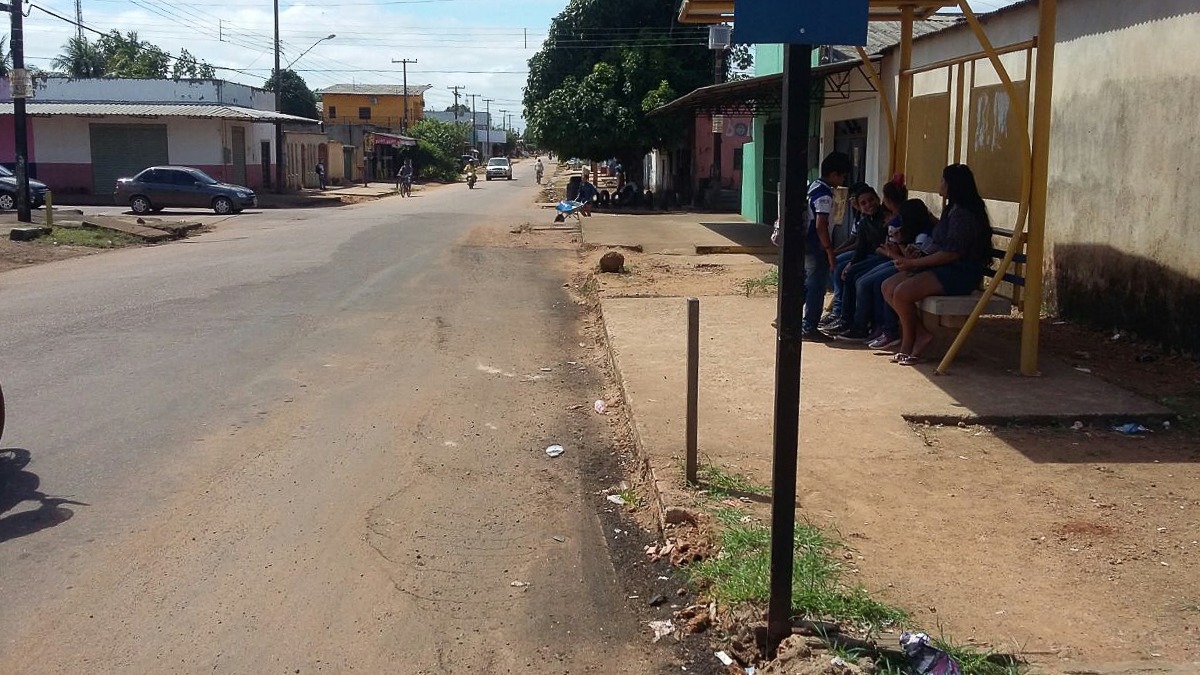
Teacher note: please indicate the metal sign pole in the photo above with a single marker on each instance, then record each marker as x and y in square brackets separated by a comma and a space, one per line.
[797, 90]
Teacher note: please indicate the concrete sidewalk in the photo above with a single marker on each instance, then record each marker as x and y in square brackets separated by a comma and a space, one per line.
[373, 189]
[679, 233]
[852, 398]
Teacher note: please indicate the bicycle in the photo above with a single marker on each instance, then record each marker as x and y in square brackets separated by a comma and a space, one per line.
[406, 186]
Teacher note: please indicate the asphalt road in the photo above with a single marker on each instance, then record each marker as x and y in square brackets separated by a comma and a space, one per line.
[308, 441]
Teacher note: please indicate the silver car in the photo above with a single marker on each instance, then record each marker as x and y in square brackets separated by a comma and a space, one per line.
[160, 187]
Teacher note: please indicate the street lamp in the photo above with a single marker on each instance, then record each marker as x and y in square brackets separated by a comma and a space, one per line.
[327, 37]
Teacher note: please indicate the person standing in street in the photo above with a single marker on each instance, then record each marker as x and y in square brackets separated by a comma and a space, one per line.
[537, 170]
[321, 174]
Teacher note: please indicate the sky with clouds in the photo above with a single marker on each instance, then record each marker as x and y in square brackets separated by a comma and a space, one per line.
[482, 46]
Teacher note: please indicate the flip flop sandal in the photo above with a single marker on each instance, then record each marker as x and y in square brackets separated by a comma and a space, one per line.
[898, 357]
[910, 360]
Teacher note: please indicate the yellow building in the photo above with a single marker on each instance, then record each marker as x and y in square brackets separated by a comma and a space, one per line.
[379, 105]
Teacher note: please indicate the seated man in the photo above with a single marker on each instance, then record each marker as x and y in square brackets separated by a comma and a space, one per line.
[587, 195]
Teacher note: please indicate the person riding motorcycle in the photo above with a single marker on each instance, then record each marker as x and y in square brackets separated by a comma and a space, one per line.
[470, 171]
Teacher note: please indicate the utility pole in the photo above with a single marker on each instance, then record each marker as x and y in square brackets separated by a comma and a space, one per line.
[474, 123]
[504, 128]
[455, 89]
[487, 103]
[278, 124]
[21, 90]
[405, 62]
[79, 19]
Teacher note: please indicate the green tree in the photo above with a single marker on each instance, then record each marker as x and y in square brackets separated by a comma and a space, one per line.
[438, 146]
[462, 108]
[128, 56]
[295, 98]
[5, 57]
[80, 59]
[186, 66]
[592, 102]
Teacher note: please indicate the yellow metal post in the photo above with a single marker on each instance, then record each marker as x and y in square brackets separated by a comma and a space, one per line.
[904, 93]
[1022, 214]
[1036, 239]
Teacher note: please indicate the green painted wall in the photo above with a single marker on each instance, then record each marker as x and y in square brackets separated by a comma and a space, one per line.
[768, 60]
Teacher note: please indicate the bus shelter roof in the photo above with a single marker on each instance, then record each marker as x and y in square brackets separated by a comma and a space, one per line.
[722, 11]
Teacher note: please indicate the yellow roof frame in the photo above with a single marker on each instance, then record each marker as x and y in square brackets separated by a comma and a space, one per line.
[721, 11]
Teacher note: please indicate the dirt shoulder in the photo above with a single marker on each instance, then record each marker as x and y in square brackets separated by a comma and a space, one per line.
[1072, 547]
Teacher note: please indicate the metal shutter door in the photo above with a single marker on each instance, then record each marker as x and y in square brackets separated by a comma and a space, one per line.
[122, 150]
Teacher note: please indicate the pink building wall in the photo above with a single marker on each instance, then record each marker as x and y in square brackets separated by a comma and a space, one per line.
[737, 132]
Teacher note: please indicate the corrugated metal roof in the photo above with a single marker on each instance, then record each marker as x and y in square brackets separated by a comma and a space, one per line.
[198, 111]
[376, 89]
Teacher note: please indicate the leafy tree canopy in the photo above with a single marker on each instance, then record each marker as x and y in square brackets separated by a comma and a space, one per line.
[462, 108]
[186, 66]
[605, 64]
[438, 147]
[295, 98]
[117, 55]
[128, 56]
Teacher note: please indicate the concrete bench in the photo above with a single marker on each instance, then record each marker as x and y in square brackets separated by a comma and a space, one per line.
[951, 311]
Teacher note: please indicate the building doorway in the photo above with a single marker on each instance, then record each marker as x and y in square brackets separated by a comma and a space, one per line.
[850, 137]
[265, 153]
[239, 155]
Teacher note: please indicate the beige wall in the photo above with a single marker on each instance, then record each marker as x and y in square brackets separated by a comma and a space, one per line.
[303, 150]
[1124, 165]
[1123, 245]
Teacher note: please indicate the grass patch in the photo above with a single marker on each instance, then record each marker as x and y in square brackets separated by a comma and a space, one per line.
[727, 483]
[767, 283]
[631, 497]
[590, 289]
[977, 662]
[740, 573]
[93, 238]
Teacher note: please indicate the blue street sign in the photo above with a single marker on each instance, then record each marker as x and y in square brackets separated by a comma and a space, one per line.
[800, 22]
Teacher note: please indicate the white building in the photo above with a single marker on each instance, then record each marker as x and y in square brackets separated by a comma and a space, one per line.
[85, 134]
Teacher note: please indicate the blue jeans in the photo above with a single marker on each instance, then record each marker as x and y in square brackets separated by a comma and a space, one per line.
[855, 272]
[839, 288]
[870, 307]
[816, 281]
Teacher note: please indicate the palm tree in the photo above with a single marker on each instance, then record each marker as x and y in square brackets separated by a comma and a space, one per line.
[80, 59]
[5, 56]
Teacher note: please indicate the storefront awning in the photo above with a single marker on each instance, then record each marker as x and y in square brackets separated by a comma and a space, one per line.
[755, 95]
[380, 138]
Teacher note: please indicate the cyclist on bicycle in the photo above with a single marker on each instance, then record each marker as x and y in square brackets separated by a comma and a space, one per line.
[404, 176]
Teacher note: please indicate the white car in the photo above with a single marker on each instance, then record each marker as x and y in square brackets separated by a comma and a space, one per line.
[499, 167]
